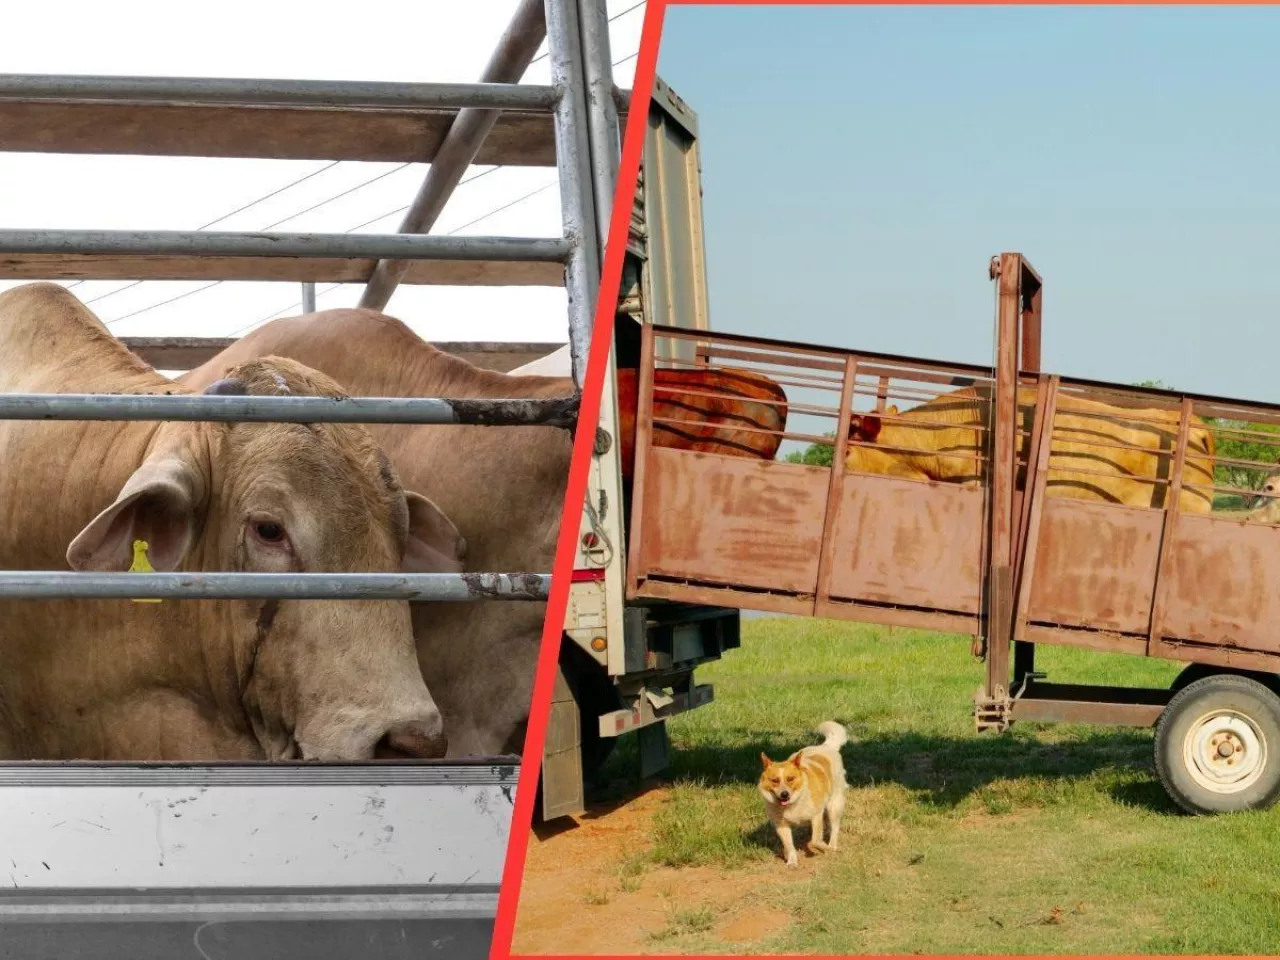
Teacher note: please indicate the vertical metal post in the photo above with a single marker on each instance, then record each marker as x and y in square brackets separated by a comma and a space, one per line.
[602, 110]
[308, 298]
[999, 619]
[1032, 296]
[573, 162]
[1172, 509]
[466, 135]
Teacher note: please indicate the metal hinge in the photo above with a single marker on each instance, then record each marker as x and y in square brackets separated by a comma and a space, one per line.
[992, 713]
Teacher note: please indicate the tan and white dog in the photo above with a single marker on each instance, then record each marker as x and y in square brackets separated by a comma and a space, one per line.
[801, 788]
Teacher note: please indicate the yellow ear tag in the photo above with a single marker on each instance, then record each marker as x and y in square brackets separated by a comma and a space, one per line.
[142, 565]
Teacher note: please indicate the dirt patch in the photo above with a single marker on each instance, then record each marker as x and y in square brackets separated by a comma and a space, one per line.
[582, 893]
[754, 926]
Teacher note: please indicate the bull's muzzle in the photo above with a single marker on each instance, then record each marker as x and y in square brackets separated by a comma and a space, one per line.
[413, 741]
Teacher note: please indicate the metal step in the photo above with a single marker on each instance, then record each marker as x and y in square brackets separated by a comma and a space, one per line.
[379, 859]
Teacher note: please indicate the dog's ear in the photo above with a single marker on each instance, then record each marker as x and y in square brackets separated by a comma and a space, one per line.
[795, 761]
[764, 759]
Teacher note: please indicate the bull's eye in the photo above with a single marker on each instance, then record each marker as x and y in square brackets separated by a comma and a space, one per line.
[269, 532]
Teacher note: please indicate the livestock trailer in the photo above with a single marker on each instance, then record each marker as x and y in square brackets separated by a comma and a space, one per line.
[379, 859]
[1008, 504]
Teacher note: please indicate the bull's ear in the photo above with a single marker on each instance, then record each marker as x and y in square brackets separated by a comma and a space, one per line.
[434, 544]
[162, 504]
[864, 427]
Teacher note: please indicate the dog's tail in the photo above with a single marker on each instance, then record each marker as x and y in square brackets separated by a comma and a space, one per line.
[834, 735]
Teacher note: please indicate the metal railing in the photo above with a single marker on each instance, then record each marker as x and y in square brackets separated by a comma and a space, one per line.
[586, 139]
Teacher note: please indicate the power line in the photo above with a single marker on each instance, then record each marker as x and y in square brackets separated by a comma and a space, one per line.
[330, 289]
[616, 16]
[390, 213]
[337, 196]
[228, 216]
[455, 230]
[210, 286]
[162, 303]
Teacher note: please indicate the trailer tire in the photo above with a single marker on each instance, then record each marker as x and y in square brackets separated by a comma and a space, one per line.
[595, 694]
[1198, 671]
[1217, 745]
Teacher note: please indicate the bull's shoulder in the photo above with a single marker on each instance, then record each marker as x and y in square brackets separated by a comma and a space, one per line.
[44, 327]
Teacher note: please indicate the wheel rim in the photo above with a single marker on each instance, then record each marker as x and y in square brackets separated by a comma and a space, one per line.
[1225, 752]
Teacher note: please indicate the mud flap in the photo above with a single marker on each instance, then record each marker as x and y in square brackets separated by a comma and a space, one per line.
[655, 749]
[562, 792]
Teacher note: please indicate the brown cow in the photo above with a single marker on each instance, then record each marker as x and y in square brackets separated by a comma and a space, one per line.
[706, 423]
[950, 430]
[199, 680]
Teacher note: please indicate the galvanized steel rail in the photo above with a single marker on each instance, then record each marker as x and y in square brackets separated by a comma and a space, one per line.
[554, 412]
[331, 94]
[438, 587]
[190, 243]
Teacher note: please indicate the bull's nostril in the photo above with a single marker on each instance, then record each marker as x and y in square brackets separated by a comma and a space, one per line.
[412, 741]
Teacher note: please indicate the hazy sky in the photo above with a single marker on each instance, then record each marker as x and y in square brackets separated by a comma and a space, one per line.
[862, 164]
[406, 40]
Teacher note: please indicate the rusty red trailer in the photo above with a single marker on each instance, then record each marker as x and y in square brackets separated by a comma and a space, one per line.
[1012, 505]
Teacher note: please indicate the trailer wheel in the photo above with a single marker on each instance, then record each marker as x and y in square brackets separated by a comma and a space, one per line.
[1218, 745]
[1198, 671]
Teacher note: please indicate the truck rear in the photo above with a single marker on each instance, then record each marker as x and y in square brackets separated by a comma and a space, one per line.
[629, 667]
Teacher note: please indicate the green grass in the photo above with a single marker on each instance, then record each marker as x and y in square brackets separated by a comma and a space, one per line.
[1045, 839]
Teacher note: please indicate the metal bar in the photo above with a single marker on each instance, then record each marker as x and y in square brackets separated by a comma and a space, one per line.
[602, 110]
[882, 394]
[999, 593]
[159, 243]
[440, 587]
[350, 94]
[1069, 711]
[1098, 693]
[640, 459]
[198, 905]
[573, 163]
[552, 412]
[835, 489]
[1037, 440]
[982, 374]
[1032, 317]
[308, 298]
[510, 59]
[1169, 527]
[1037, 483]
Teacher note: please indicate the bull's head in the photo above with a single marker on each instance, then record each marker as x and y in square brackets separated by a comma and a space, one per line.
[319, 679]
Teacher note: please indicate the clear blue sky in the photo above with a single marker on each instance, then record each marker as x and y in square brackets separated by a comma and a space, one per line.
[862, 164]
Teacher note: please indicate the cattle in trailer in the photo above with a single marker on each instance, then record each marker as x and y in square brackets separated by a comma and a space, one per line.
[1098, 452]
[735, 413]
[1266, 509]
[200, 680]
